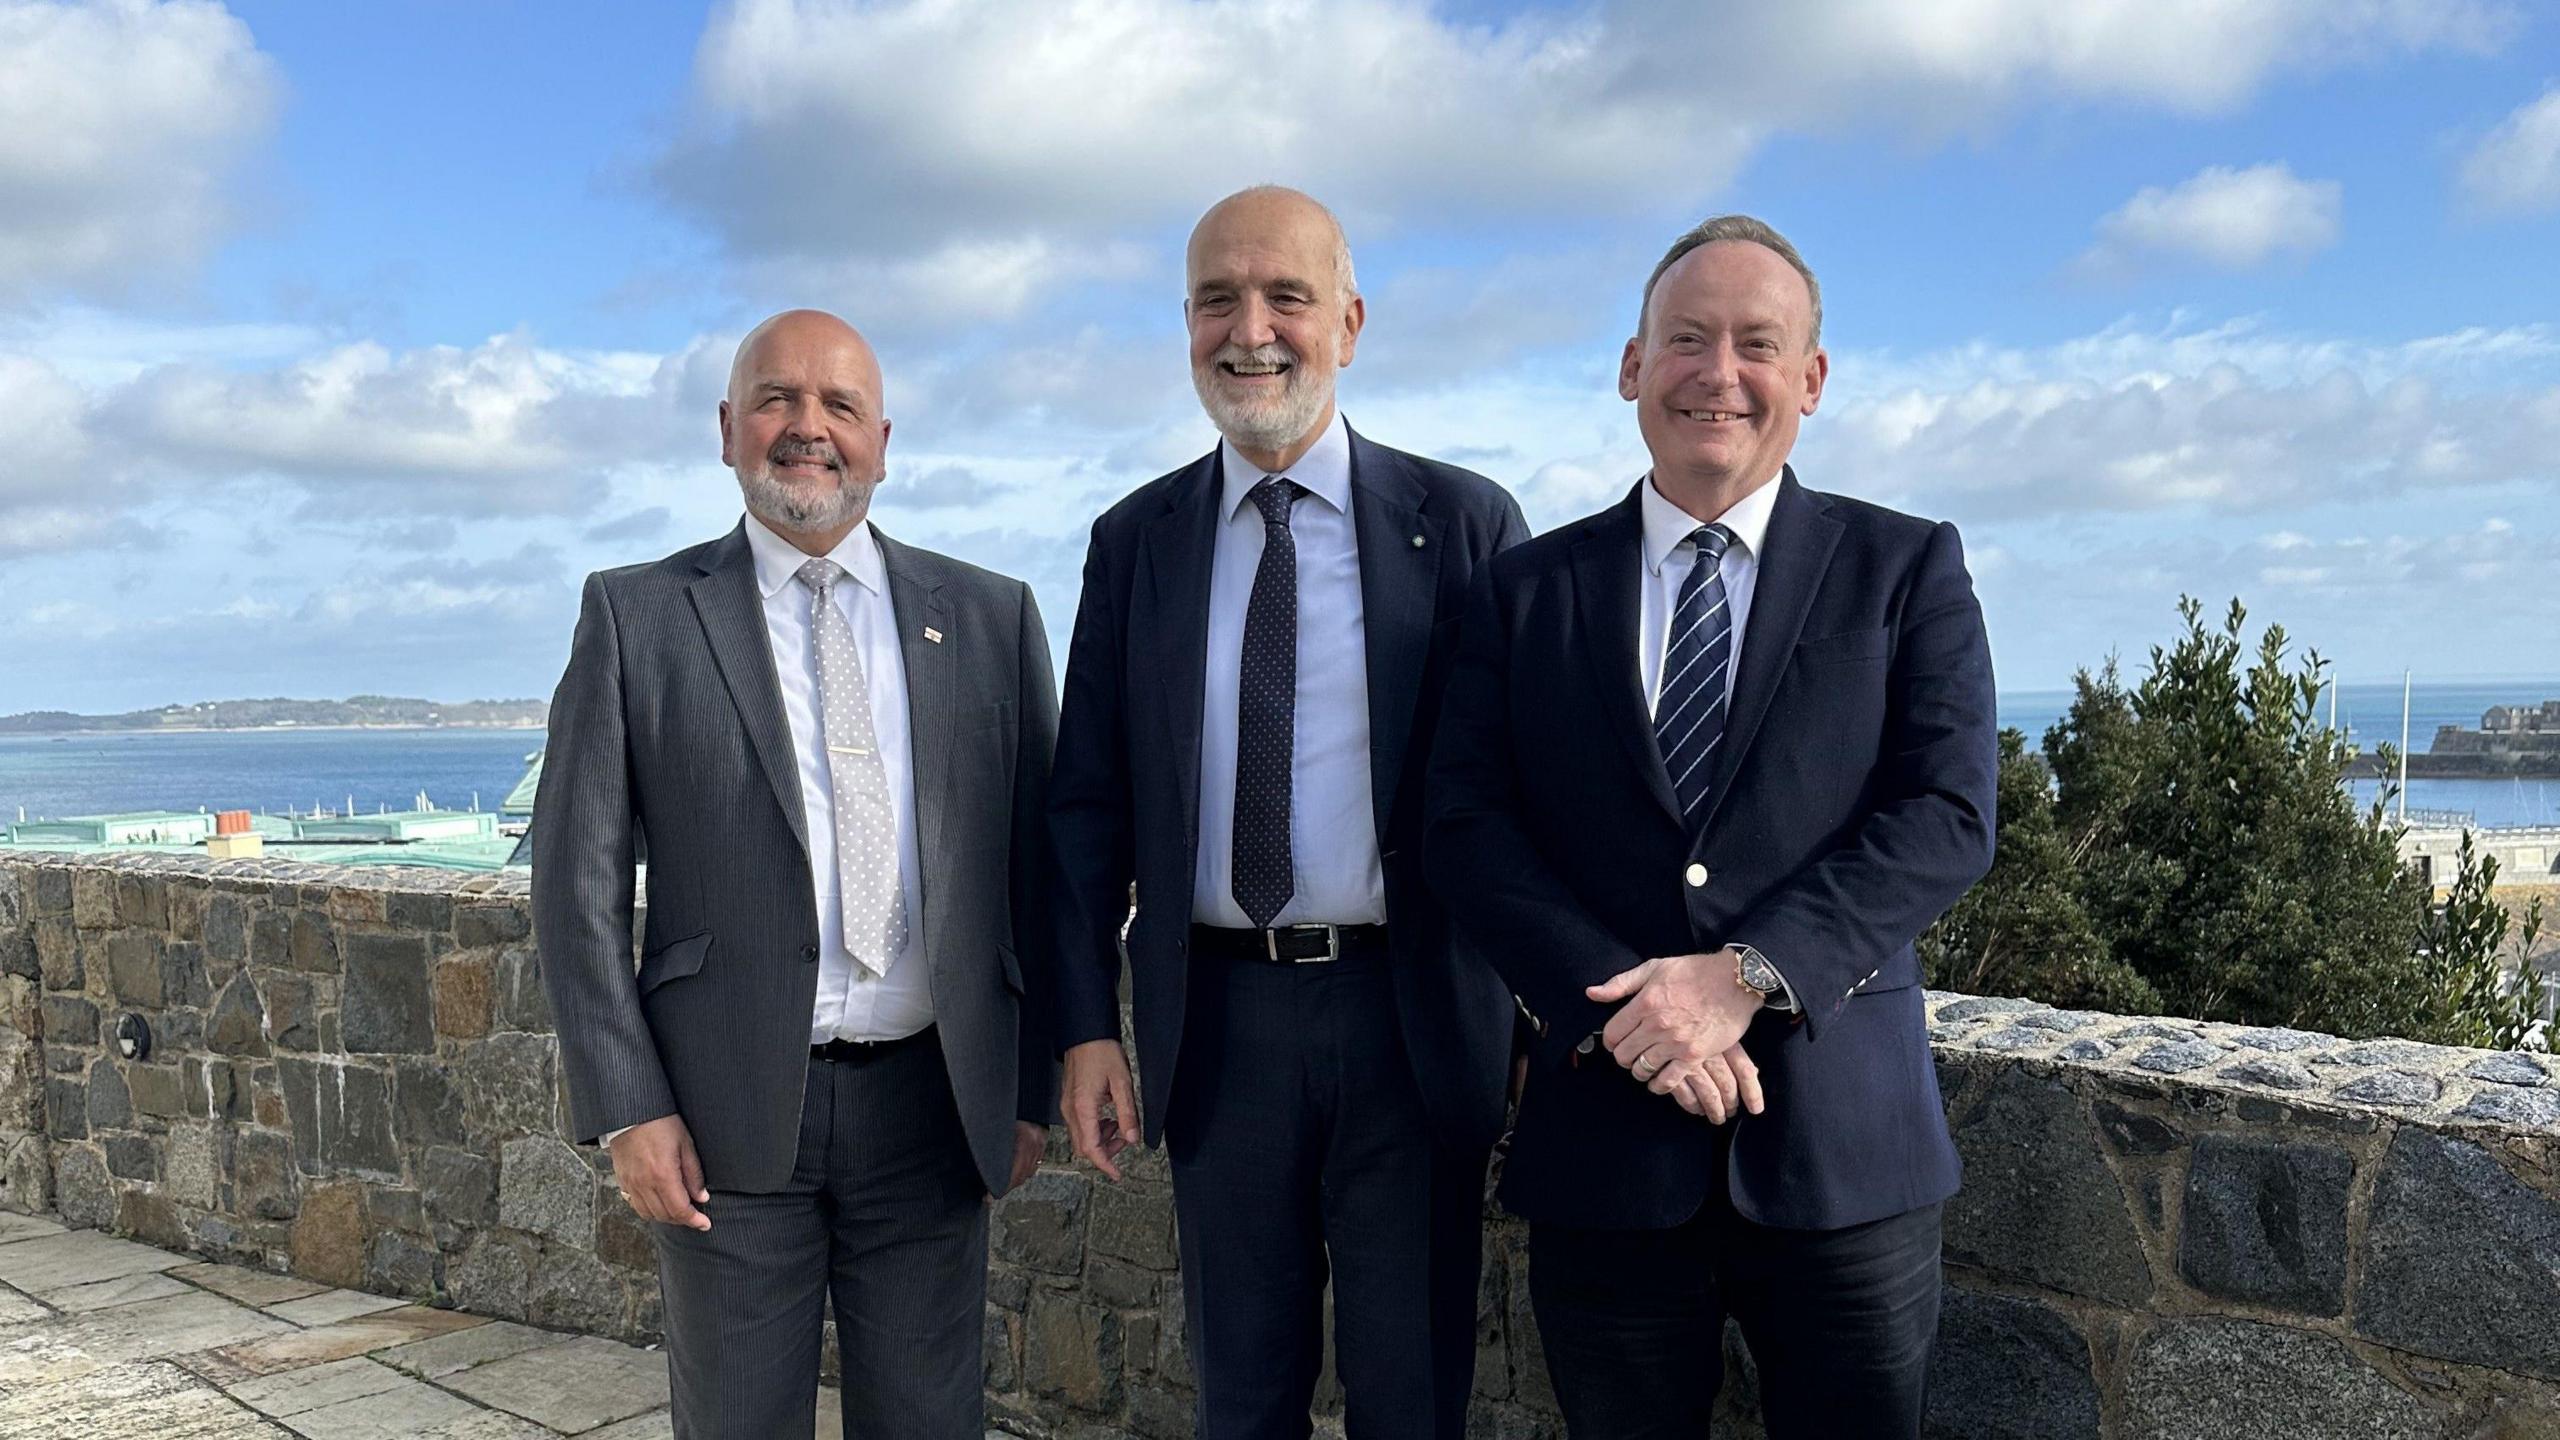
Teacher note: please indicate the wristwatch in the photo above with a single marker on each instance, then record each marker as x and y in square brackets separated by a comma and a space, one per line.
[1753, 972]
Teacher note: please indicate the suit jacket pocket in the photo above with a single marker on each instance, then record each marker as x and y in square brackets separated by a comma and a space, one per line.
[673, 960]
[1845, 648]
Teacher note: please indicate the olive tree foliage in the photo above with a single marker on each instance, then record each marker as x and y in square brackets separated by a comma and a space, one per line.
[2184, 846]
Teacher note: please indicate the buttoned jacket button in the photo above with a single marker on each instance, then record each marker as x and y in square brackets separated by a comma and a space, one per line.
[809, 953]
[1697, 875]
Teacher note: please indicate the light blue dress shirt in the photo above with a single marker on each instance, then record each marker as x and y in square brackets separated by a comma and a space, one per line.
[1333, 830]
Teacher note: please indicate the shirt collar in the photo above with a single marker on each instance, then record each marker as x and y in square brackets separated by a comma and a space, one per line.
[1666, 524]
[1324, 471]
[778, 561]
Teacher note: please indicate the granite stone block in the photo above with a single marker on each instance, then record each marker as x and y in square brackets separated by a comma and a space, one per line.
[2266, 1223]
[2235, 1380]
[386, 1006]
[2461, 1258]
[2009, 1369]
[2039, 1202]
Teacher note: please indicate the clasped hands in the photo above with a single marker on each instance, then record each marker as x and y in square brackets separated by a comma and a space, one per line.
[1680, 1032]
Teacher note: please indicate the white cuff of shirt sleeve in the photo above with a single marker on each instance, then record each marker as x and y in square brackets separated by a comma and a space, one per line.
[605, 1140]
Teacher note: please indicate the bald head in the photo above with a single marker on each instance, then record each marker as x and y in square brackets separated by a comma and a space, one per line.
[1272, 215]
[803, 426]
[796, 333]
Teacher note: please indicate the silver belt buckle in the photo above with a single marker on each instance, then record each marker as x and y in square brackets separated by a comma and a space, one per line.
[1332, 945]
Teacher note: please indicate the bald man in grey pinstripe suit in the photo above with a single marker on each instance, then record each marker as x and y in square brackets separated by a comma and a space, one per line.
[837, 750]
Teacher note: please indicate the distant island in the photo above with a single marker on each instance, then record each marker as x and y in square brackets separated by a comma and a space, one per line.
[356, 711]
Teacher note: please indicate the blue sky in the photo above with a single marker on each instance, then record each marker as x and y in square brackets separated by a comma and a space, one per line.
[338, 342]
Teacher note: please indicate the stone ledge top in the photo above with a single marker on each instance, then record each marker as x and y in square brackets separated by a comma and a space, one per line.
[283, 870]
[2442, 1086]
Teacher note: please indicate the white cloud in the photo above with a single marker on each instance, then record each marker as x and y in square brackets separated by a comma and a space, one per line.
[122, 123]
[894, 131]
[2516, 167]
[2229, 218]
[508, 425]
[2216, 421]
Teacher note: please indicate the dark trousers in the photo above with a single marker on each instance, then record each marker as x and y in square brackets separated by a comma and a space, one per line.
[1839, 1323]
[1300, 1149]
[884, 1213]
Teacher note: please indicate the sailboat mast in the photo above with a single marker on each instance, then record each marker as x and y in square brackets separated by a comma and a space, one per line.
[2404, 746]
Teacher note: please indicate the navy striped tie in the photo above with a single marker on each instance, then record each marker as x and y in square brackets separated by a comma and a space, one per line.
[1688, 715]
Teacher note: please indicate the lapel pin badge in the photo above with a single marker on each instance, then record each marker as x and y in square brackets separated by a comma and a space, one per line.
[1417, 542]
[933, 635]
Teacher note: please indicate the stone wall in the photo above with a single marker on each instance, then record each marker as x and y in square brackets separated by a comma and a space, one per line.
[2168, 1229]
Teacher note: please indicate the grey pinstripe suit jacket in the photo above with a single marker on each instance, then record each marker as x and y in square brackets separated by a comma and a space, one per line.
[668, 722]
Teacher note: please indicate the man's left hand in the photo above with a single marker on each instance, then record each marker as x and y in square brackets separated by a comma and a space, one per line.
[1029, 1143]
[1681, 1011]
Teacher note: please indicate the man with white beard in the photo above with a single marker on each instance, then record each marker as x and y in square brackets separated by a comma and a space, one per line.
[1254, 675]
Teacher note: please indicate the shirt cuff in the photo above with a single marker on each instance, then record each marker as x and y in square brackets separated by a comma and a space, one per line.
[605, 1140]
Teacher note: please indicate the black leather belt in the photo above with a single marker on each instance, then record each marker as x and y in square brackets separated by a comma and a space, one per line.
[856, 1052]
[1289, 944]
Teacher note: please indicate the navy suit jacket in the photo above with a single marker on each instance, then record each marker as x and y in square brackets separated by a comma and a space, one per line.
[1851, 805]
[1124, 795]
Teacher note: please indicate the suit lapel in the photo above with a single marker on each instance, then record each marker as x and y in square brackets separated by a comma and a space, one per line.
[1794, 555]
[1607, 566]
[917, 603]
[1400, 550]
[731, 610]
[1169, 618]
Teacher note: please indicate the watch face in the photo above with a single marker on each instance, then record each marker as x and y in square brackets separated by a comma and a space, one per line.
[1759, 974]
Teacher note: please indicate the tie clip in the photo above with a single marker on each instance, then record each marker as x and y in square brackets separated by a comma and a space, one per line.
[848, 750]
[933, 635]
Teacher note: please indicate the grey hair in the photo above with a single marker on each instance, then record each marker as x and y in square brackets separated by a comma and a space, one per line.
[1718, 229]
[1343, 279]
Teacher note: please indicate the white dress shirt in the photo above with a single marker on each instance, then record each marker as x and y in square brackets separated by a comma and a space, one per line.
[1333, 831]
[851, 1004]
[1668, 558]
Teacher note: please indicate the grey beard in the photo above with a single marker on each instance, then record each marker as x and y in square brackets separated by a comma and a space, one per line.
[1300, 405]
[776, 504]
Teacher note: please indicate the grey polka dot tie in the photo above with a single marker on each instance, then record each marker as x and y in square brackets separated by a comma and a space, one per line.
[874, 905]
[1267, 714]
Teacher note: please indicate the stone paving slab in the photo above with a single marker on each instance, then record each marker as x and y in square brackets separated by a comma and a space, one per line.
[442, 1355]
[295, 1349]
[249, 1287]
[572, 1387]
[14, 1226]
[123, 1290]
[331, 1306]
[77, 1257]
[402, 1412]
[15, 1307]
[153, 1401]
[64, 1348]
[314, 1386]
[487, 1425]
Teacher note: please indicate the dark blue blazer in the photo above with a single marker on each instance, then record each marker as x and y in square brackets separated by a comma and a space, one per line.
[1124, 794]
[1852, 804]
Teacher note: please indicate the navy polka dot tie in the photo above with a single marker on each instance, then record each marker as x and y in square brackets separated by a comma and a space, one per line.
[1688, 715]
[1267, 713]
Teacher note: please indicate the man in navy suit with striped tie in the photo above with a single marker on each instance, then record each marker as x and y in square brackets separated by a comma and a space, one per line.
[1709, 761]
